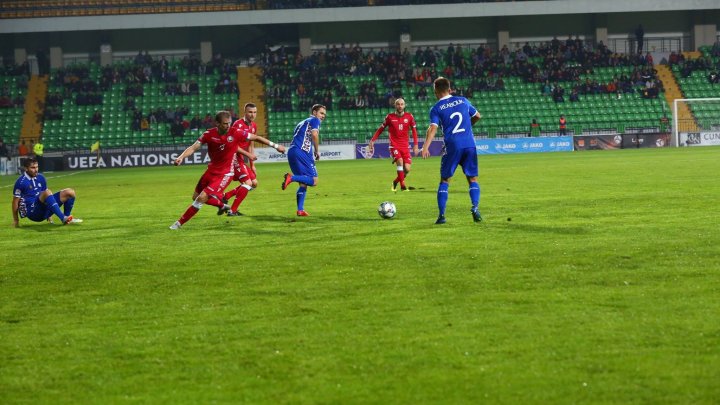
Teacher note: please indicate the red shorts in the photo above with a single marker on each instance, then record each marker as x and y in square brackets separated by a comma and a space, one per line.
[213, 184]
[243, 172]
[403, 153]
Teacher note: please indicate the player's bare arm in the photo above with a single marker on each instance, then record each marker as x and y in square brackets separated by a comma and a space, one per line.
[416, 149]
[429, 136]
[316, 143]
[15, 208]
[475, 118]
[265, 141]
[251, 150]
[187, 152]
[249, 155]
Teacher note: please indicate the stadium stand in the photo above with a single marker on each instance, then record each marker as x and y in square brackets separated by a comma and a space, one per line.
[359, 87]
[157, 102]
[166, 106]
[700, 78]
[13, 92]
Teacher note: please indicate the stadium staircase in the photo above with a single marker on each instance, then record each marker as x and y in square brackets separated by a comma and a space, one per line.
[32, 123]
[672, 93]
[252, 90]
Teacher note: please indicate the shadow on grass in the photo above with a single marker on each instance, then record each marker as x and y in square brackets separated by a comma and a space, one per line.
[560, 230]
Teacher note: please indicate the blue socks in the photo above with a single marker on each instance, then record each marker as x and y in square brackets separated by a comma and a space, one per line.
[304, 179]
[442, 197]
[300, 196]
[474, 194]
[68, 206]
[51, 203]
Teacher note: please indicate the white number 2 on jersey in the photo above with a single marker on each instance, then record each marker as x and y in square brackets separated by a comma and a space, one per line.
[457, 128]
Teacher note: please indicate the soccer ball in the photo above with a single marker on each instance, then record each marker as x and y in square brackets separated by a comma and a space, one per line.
[387, 210]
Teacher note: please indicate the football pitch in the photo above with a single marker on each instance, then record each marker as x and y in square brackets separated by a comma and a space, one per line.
[594, 278]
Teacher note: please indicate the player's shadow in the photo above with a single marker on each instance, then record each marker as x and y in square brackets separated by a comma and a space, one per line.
[560, 230]
[311, 219]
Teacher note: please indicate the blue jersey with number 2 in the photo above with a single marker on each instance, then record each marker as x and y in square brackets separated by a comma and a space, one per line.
[452, 114]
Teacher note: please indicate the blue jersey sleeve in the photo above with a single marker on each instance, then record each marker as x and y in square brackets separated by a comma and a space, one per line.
[434, 116]
[18, 189]
[314, 123]
[471, 108]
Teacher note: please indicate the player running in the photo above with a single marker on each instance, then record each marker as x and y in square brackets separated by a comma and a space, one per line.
[222, 142]
[244, 166]
[34, 201]
[302, 154]
[399, 123]
[456, 116]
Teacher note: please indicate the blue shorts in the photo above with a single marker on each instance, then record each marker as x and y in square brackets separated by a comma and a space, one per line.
[38, 211]
[301, 163]
[466, 158]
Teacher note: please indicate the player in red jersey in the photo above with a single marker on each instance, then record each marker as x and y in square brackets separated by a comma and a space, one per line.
[244, 166]
[399, 123]
[222, 142]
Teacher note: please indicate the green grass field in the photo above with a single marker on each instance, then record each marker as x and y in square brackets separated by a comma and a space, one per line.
[593, 279]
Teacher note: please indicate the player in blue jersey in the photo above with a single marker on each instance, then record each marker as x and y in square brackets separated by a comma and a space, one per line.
[456, 116]
[33, 200]
[303, 153]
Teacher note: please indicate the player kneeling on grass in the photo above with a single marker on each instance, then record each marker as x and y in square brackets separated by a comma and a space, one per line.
[222, 142]
[33, 200]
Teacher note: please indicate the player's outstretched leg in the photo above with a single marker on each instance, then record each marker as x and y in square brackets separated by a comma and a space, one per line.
[188, 214]
[442, 198]
[475, 200]
[240, 195]
[300, 199]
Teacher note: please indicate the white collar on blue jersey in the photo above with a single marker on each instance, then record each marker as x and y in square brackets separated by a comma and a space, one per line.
[28, 177]
[446, 97]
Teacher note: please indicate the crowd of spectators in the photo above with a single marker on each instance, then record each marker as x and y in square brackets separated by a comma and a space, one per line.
[20, 74]
[77, 83]
[555, 65]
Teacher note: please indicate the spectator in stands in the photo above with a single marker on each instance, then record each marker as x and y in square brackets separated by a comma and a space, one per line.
[713, 77]
[196, 122]
[534, 128]
[562, 125]
[144, 124]
[176, 129]
[22, 149]
[3, 149]
[5, 102]
[558, 94]
[208, 121]
[639, 38]
[96, 118]
[574, 96]
[422, 94]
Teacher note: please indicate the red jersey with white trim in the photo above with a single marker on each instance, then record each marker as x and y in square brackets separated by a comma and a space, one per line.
[250, 128]
[398, 127]
[222, 148]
